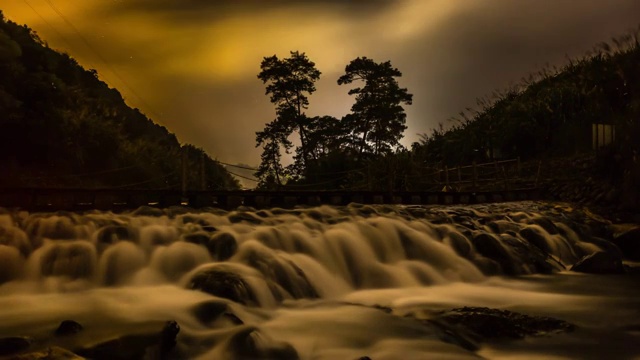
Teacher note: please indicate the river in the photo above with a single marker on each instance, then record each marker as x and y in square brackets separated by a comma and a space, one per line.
[317, 283]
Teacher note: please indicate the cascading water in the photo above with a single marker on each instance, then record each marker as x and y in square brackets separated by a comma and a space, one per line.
[304, 283]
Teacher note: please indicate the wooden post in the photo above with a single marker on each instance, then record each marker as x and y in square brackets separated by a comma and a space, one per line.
[203, 183]
[506, 179]
[475, 176]
[446, 176]
[184, 171]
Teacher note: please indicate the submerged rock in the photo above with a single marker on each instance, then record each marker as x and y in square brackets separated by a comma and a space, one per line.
[157, 345]
[629, 244]
[52, 353]
[224, 284]
[68, 327]
[14, 344]
[486, 323]
[249, 343]
[599, 263]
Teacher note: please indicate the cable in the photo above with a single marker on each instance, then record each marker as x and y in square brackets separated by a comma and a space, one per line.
[236, 166]
[240, 176]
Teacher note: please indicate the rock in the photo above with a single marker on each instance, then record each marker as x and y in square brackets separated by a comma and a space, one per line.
[489, 323]
[249, 343]
[490, 247]
[599, 263]
[224, 284]
[147, 346]
[629, 244]
[14, 344]
[222, 246]
[113, 233]
[68, 327]
[52, 353]
[168, 336]
[148, 211]
[237, 217]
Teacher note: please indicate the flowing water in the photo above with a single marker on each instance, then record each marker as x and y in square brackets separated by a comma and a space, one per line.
[318, 283]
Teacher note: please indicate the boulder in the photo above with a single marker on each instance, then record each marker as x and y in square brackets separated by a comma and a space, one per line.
[222, 246]
[68, 327]
[52, 353]
[158, 345]
[629, 244]
[223, 284]
[249, 343]
[599, 263]
[14, 344]
[487, 323]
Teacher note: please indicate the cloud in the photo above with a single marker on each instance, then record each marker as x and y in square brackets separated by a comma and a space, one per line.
[195, 62]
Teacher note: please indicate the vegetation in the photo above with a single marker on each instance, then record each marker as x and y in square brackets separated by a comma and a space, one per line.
[549, 114]
[62, 126]
[329, 148]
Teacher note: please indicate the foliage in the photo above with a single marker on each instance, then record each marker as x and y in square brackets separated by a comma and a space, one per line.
[377, 118]
[549, 113]
[62, 126]
[288, 82]
[333, 153]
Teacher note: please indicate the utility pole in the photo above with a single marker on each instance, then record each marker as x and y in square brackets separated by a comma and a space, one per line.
[184, 170]
[203, 184]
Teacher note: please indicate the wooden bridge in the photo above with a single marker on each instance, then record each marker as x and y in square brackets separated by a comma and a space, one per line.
[39, 199]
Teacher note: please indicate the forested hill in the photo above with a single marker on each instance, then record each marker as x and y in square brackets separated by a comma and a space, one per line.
[62, 126]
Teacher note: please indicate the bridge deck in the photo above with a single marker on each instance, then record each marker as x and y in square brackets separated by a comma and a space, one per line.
[109, 199]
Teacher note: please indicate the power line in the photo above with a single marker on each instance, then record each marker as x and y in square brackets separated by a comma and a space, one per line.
[240, 176]
[236, 166]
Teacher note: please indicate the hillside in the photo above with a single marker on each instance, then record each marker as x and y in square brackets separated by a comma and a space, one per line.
[62, 126]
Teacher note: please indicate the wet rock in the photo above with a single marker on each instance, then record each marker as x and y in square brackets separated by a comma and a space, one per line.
[599, 263]
[237, 217]
[200, 238]
[158, 345]
[52, 353]
[629, 244]
[249, 343]
[209, 312]
[113, 233]
[224, 284]
[222, 246]
[536, 238]
[490, 247]
[68, 327]
[148, 211]
[14, 344]
[488, 323]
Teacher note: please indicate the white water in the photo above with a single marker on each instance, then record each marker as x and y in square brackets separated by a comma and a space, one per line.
[306, 271]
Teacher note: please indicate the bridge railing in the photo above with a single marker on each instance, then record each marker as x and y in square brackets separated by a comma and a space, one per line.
[110, 199]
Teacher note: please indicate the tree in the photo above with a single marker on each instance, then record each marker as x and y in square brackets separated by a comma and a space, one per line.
[378, 119]
[272, 138]
[289, 82]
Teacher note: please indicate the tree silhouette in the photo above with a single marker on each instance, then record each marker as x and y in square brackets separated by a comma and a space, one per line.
[378, 118]
[289, 82]
[272, 139]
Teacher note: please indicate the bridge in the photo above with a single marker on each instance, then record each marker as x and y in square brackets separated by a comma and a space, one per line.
[53, 199]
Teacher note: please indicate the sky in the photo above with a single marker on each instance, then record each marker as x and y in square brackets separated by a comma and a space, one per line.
[192, 65]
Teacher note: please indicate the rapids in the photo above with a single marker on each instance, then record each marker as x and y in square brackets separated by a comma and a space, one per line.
[316, 283]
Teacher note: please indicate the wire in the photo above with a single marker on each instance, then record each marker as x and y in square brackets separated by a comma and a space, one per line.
[240, 176]
[236, 166]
